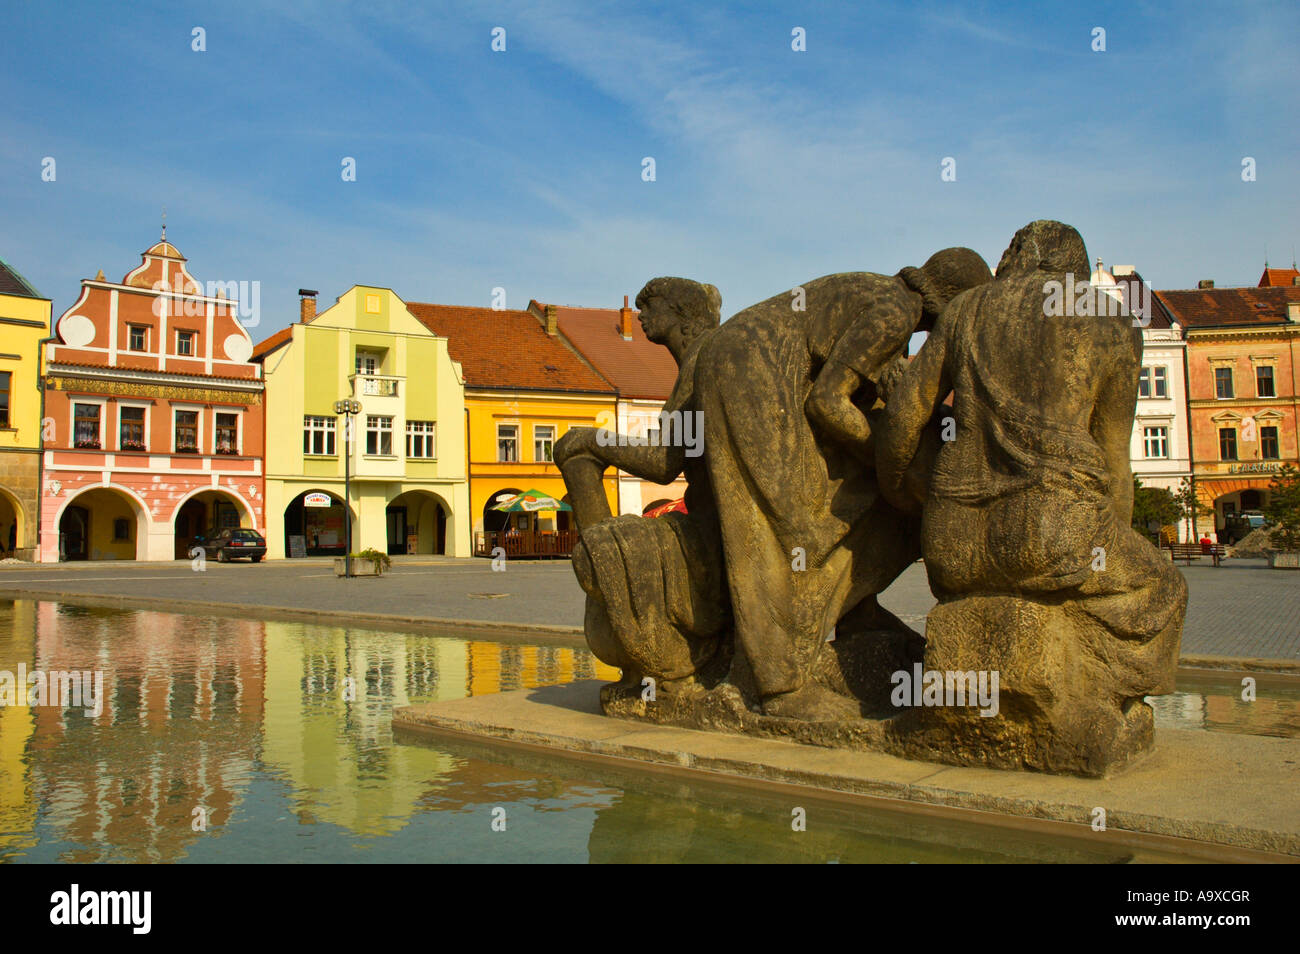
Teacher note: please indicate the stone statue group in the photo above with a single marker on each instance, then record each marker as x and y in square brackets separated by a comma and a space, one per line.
[831, 460]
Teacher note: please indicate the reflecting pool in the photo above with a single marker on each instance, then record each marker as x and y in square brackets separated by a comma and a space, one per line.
[219, 739]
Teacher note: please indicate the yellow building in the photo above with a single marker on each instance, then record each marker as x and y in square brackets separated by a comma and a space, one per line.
[24, 323]
[409, 492]
[524, 388]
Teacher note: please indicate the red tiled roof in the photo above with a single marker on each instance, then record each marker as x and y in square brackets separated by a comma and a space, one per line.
[1228, 307]
[638, 368]
[507, 349]
[263, 348]
[1278, 277]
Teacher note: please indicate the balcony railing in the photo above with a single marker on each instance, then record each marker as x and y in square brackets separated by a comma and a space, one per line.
[374, 385]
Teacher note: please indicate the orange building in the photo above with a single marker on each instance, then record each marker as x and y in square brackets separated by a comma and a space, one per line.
[524, 389]
[154, 417]
[1242, 383]
[643, 374]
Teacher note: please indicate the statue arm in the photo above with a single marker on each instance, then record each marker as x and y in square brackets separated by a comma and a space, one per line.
[856, 360]
[903, 425]
[1112, 429]
[659, 465]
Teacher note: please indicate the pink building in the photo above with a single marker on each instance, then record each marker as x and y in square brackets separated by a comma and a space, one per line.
[154, 417]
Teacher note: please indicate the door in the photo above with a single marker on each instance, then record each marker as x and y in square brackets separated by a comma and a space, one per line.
[74, 530]
[189, 524]
[396, 530]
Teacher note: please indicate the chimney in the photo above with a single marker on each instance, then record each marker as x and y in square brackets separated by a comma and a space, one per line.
[552, 321]
[1205, 283]
[625, 320]
[307, 307]
[1293, 312]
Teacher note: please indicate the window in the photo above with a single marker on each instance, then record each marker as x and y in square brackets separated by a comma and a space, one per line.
[508, 442]
[367, 363]
[1155, 441]
[86, 425]
[419, 439]
[1264, 386]
[1227, 443]
[227, 434]
[379, 436]
[543, 442]
[185, 342]
[1160, 380]
[130, 429]
[1268, 443]
[137, 337]
[187, 432]
[5, 378]
[318, 436]
[121, 530]
[1144, 383]
[1223, 383]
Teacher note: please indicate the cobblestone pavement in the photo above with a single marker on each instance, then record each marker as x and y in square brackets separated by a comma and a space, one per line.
[1241, 609]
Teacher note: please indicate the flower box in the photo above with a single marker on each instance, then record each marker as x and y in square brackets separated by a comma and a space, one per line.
[1284, 559]
[360, 567]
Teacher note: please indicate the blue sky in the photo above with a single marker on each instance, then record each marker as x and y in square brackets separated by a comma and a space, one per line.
[522, 169]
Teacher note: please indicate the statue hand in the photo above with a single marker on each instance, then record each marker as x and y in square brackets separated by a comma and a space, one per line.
[576, 441]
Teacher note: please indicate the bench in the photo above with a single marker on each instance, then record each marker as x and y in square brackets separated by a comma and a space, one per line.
[1193, 551]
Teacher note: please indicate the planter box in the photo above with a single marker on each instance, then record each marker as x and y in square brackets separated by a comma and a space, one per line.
[359, 567]
[1284, 559]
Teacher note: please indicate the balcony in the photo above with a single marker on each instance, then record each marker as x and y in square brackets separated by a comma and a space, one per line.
[375, 385]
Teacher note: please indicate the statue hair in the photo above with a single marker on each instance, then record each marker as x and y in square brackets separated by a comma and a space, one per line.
[698, 305]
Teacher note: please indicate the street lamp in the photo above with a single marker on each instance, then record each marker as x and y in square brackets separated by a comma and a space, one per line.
[346, 408]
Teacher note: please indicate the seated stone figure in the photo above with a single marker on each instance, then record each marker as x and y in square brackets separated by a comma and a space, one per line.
[1025, 534]
[656, 592]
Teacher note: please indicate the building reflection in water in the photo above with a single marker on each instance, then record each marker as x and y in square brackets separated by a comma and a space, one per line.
[199, 708]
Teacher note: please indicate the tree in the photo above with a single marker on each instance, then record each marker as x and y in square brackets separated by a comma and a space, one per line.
[1283, 508]
[1189, 505]
[1153, 506]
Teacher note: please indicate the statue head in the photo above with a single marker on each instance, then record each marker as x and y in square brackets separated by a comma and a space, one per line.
[678, 307]
[1045, 246]
[944, 276]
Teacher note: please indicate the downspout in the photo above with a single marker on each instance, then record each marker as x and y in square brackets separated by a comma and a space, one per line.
[469, 487]
[40, 428]
[1191, 450]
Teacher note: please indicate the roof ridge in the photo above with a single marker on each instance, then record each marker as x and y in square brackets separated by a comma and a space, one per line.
[21, 280]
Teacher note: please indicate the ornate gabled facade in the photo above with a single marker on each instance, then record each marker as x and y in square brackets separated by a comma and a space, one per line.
[153, 417]
[402, 479]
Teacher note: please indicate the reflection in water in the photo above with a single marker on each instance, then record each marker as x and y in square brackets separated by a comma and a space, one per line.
[202, 711]
[240, 740]
[1215, 703]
